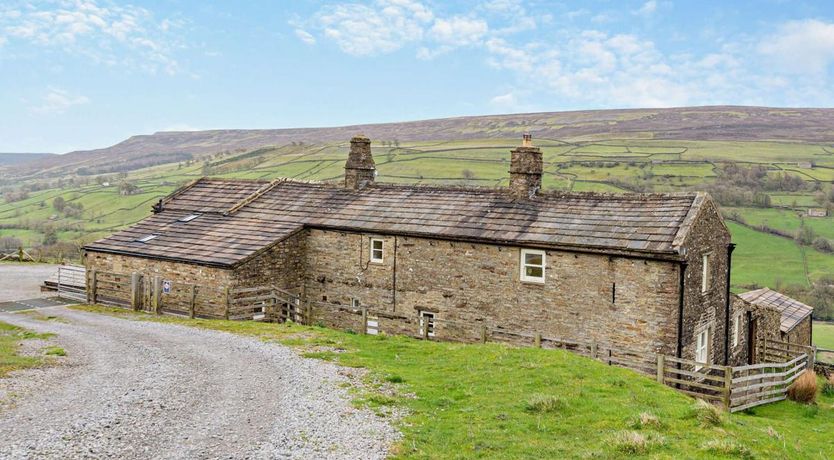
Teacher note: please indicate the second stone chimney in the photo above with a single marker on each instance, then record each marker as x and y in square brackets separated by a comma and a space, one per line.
[359, 168]
[525, 169]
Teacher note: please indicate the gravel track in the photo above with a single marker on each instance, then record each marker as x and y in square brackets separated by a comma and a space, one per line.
[135, 389]
[22, 281]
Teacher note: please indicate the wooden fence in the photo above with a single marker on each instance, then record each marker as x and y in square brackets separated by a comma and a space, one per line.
[736, 388]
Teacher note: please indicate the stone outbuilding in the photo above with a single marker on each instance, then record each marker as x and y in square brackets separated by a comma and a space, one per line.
[647, 272]
[795, 319]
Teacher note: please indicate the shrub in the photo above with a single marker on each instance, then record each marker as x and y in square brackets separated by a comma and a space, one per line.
[727, 447]
[828, 386]
[822, 244]
[707, 414]
[545, 403]
[804, 389]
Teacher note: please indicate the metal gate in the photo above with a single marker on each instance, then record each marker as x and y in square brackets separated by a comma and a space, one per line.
[72, 282]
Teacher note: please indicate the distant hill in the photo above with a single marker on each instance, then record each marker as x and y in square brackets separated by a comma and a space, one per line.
[7, 159]
[690, 123]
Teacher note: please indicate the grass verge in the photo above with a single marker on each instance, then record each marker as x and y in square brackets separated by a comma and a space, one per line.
[494, 401]
[10, 338]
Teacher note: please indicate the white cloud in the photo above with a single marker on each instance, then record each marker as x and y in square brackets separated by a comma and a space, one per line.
[458, 31]
[115, 35]
[57, 101]
[647, 9]
[800, 47]
[305, 36]
[368, 30]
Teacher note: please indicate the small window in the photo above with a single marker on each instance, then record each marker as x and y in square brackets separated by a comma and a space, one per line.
[426, 321]
[532, 266]
[705, 273]
[188, 218]
[145, 239]
[376, 250]
[702, 348]
[737, 330]
[355, 303]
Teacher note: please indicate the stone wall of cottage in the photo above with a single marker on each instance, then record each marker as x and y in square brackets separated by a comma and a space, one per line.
[706, 310]
[618, 301]
[800, 334]
[281, 265]
[211, 280]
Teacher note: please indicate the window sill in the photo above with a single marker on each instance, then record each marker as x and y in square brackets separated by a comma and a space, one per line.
[533, 283]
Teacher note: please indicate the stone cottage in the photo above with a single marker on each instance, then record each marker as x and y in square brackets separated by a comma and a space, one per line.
[648, 272]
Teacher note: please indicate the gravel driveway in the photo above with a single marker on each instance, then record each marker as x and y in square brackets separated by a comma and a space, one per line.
[19, 282]
[135, 389]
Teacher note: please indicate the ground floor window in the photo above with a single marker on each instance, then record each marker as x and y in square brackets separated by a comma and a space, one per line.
[426, 323]
[702, 347]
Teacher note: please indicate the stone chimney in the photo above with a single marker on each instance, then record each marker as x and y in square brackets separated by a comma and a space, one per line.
[359, 169]
[525, 169]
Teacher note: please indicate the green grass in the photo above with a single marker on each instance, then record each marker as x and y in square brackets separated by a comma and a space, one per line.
[10, 338]
[824, 334]
[495, 401]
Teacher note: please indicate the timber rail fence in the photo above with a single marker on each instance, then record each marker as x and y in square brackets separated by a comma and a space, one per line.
[735, 387]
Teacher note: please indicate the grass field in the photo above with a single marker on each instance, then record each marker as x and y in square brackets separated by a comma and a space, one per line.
[602, 165]
[495, 401]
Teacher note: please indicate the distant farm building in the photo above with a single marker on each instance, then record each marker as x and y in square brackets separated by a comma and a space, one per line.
[647, 272]
[817, 212]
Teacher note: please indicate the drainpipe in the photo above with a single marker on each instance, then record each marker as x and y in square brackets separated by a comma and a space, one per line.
[730, 248]
[681, 284]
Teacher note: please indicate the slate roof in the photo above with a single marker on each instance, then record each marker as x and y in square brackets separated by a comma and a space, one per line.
[793, 311]
[240, 217]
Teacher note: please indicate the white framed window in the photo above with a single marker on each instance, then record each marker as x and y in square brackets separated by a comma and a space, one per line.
[702, 348]
[532, 265]
[376, 250]
[355, 303]
[705, 273]
[737, 330]
[426, 321]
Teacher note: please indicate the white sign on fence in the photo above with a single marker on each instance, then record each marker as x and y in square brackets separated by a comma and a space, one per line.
[166, 287]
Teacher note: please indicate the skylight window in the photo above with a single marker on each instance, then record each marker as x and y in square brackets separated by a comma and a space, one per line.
[189, 218]
[145, 239]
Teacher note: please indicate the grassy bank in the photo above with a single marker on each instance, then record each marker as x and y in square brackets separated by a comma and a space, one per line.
[494, 401]
[10, 338]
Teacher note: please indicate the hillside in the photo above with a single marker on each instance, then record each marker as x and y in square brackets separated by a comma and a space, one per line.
[8, 159]
[729, 123]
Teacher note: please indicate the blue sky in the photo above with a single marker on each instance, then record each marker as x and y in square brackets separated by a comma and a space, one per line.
[89, 73]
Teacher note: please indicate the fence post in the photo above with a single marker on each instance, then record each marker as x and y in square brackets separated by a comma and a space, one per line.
[537, 340]
[134, 291]
[608, 361]
[228, 302]
[812, 358]
[193, 305]
[483, 334]
[364, 320]
[661, 368]
[20, 254]
[728, 386]
[91, 293]
[157, 295]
